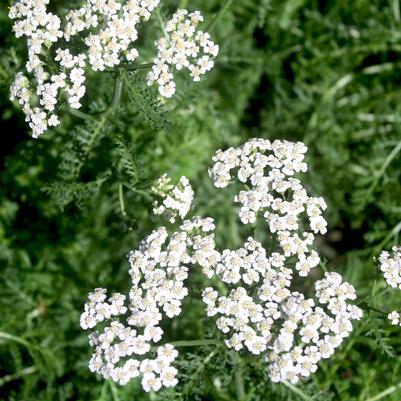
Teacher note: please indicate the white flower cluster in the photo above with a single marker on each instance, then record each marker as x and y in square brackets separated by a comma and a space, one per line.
[176, 200]
[158, 271]
[116, 25]
[41, 28]
[157, 288]
[390, 265]
[268, 170]
[292, 331]
[182, 47]
[259, 311]
[108, 29]
[255, 302]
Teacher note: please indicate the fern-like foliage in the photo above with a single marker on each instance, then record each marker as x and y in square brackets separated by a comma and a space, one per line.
[63, 193]
[380, 339]
[127, 162]
[145, 101]
[81, 142]
[9, 63]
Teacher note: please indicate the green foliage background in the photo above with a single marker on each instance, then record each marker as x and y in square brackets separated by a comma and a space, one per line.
[324, 72]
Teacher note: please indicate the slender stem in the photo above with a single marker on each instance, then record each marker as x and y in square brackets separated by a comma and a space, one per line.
[147, 194]
[16, 339]
[159, 17]
[121, 198]
[383, 168]
[391, 234]
[134, 67]
[114, 391]
[365, 305]
[396, 10]
[297, 391]
[385, 393]
[23, 372]
[212, 22]
[118, 89]
[195, 343]
[239, 382]
[81, 114]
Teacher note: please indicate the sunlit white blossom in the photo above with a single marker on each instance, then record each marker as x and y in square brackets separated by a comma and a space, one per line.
[183, 47]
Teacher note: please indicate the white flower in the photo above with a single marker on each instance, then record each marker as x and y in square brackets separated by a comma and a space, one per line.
[394, 317]
[150, 382]
[168, 377]
[167, 353]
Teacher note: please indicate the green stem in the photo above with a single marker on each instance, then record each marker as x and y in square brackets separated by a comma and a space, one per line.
[212, 22]
[365, 305]
[118, 90]
[16, 339]
[114, 391]
[391, 234]
[134, 67]
[386, 163]
[82, 115]
[147, 194]
[297, 391]
[18, 375]
[161, 22]
[194, 343]
[239, 382]
[385, 393]
[121, 198]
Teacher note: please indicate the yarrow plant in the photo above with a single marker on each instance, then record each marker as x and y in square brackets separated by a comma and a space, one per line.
[256, 305]
[96, 36]
[390, 265]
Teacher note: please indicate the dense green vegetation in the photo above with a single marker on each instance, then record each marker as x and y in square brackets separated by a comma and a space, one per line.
[323, 72]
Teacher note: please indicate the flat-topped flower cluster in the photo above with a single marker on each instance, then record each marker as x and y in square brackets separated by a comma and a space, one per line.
[390, 265]
[183, 47]
[255, 304]
[267, 169]
[259, 311]
[128, 329]
[96, 36]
